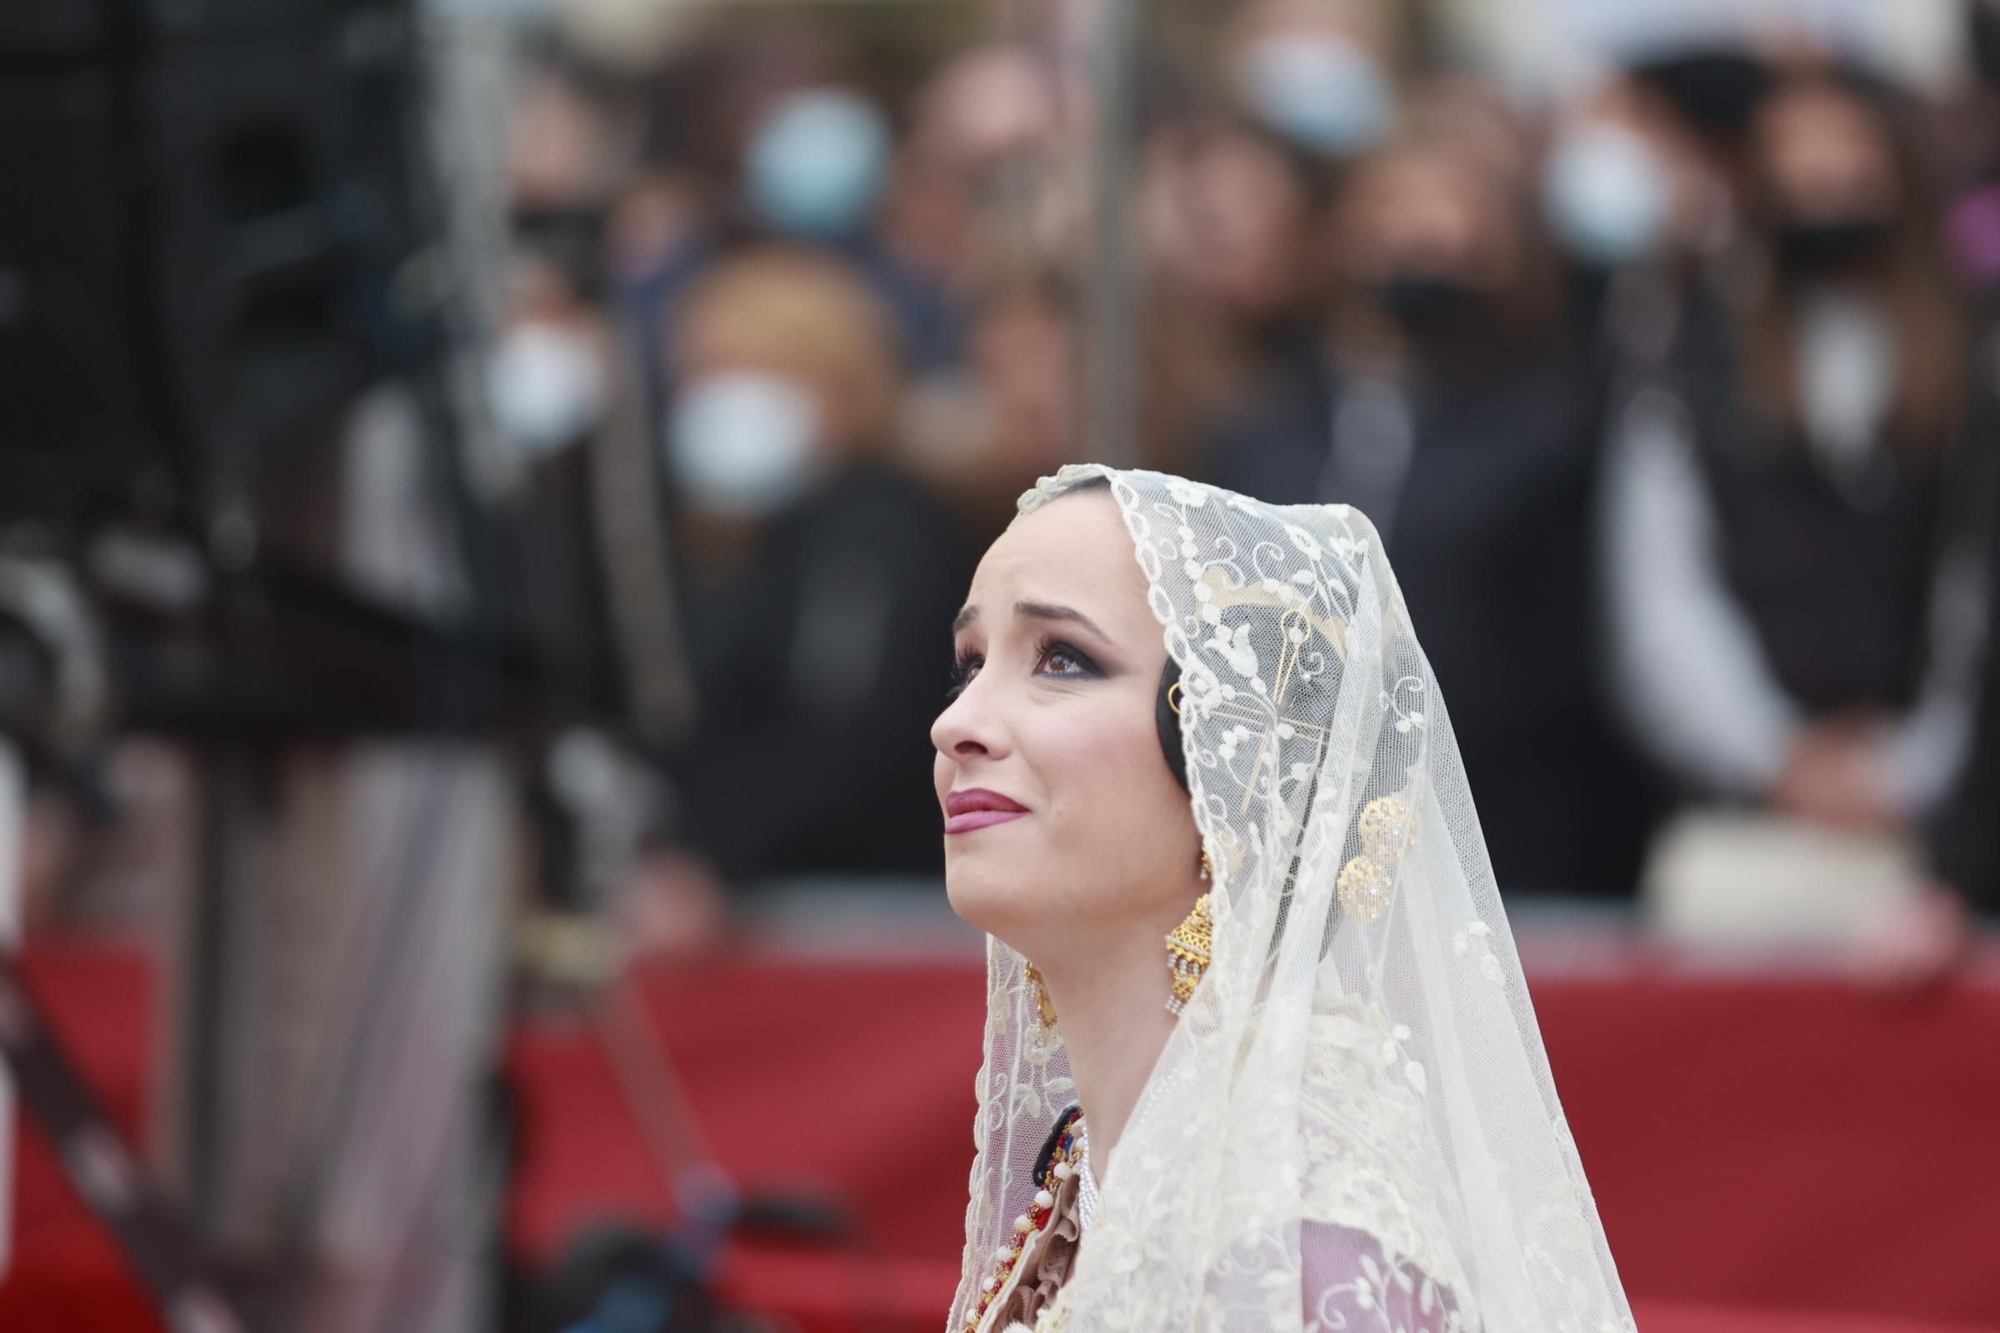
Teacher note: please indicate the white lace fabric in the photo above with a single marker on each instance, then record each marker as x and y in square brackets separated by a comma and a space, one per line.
[1353, 1125]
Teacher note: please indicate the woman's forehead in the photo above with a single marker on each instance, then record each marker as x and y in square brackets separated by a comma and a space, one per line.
[1074, 550]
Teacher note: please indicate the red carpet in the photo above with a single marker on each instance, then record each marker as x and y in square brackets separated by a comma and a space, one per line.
[1764, 1154]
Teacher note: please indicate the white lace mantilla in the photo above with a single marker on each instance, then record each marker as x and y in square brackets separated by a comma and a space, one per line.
[1353, 1125]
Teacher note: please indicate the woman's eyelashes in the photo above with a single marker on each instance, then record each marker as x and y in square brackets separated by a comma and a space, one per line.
[1053, 650]
[1053, 657]
[962, 670]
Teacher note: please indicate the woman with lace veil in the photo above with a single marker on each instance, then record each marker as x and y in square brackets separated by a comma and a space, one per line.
[1258, 1052]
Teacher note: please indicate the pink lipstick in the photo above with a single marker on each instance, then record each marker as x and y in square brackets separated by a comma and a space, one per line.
[976, 807]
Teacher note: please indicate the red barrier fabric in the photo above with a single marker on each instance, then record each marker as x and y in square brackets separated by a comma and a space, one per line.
[65, 1273]
[1769, 1155]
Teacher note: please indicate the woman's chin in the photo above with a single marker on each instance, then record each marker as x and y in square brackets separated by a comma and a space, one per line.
[990, 897]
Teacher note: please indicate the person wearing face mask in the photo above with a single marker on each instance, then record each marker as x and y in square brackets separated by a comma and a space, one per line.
[1638, 208]
[1799, 498]
[813, 567]
[1313, 74]
[769, 122]
[1441, 398]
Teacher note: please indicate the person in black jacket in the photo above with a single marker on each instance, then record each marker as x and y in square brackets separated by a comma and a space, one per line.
[1442, 400]
[1795, 523]
[817, 575]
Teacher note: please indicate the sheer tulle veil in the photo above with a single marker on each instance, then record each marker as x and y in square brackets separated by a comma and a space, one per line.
[1353, 1125]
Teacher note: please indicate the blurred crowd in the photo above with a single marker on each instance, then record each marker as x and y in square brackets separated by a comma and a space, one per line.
[1672, 391]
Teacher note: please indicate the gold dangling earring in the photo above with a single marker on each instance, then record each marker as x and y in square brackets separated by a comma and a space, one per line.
[1045, 1008]
[1188, 948]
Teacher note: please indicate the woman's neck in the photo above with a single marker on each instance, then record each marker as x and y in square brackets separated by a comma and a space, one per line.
[1111, 1007]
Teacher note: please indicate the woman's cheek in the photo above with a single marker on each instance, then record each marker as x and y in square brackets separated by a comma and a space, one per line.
[1106, 772]
[1082, 751]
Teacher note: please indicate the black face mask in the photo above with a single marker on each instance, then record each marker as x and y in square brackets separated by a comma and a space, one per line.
[1827, 247]
[1429, 305]
[570, 238]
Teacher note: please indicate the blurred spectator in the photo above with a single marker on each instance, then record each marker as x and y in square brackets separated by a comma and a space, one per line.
[982, 437]
[1442, 401]
[572, 144]
[1793, 544]
[820, 578]
[1972, 129]
[987, 176]
[1317, 73]
[1231, 216]
[1715, 89]
[763, 133]
[1640, 207]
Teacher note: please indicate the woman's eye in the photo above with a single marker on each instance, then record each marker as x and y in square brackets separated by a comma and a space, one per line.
[962, 672]
[1059, 659]
[1052, 659]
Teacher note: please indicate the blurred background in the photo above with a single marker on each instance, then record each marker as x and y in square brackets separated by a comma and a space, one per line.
[485, 484]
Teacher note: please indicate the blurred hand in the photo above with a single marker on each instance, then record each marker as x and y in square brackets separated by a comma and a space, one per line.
[673, 906]
[1833, 776]
[49, 848]
[1921, 944]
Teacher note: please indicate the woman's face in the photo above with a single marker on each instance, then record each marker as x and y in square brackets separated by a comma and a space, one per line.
[1229, 218]
[1060, 660]
[1823, 156]
[1420, 211]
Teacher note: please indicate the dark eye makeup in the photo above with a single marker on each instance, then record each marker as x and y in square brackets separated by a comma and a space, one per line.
[1047, 649]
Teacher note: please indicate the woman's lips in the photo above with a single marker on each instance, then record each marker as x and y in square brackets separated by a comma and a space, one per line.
[973, 819]
[976, 807]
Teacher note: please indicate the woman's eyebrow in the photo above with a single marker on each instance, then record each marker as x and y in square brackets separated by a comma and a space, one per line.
[1050, 611]
[1036, 611]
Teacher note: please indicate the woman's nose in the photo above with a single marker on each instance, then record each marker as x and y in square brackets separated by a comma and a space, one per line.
[964, 728]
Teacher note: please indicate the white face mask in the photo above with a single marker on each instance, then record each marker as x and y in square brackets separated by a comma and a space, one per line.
[546, 385]
[743, 443]
[1607, 195]
[1319, 90]
[817, 164]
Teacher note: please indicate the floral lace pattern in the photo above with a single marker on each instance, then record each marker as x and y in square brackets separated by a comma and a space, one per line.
[1353, 1125]
[1371, 1163]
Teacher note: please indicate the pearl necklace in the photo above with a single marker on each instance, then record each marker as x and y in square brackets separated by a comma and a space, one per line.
[1066, 1160]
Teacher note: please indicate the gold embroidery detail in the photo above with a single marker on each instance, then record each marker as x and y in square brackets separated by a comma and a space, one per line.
[1388, 829]
[1045, 1008]
[1363, 888]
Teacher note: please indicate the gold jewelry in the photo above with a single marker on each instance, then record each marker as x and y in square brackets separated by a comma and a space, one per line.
[1363, 888]
[1388, 829]
[1207, 870]
[1045, 1008]
[1188, 953]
